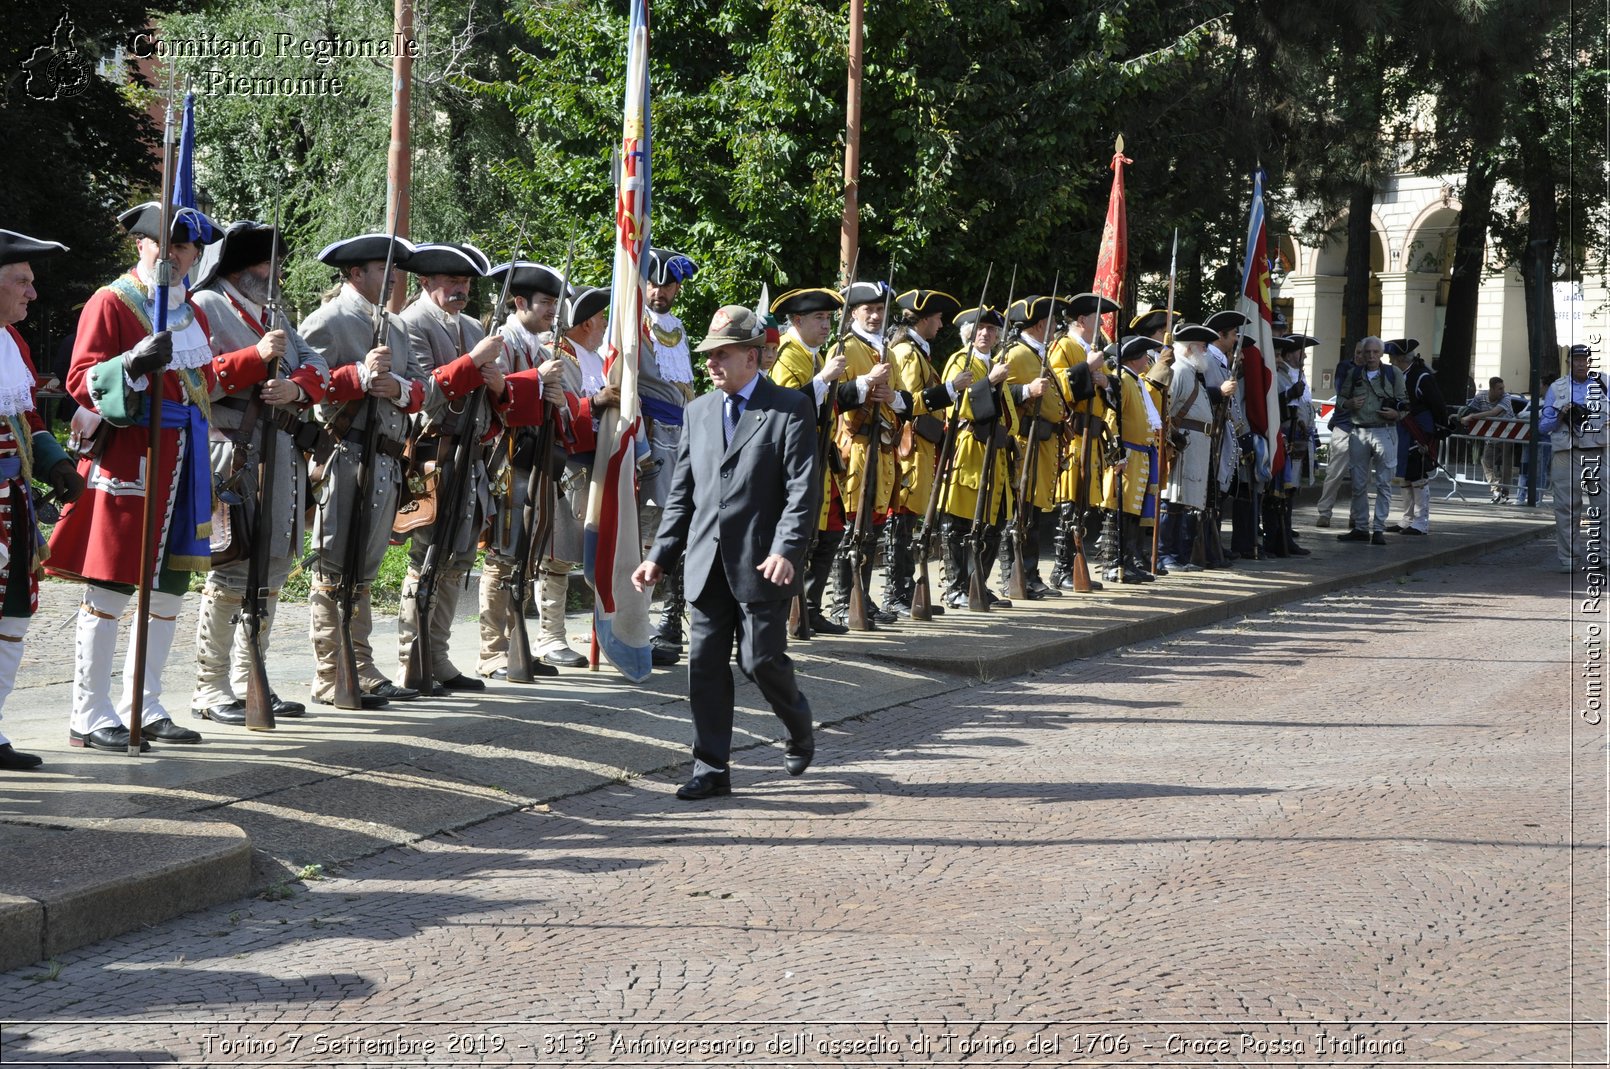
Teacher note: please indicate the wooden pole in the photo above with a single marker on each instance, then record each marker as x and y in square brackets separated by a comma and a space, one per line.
[399, 162]
[850, 235]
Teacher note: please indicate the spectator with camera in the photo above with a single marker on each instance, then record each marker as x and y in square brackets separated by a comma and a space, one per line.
[1373, 395]
[1574, 419]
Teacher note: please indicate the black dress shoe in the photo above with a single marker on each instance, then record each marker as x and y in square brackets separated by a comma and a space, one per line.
[17, 761]
[463, 682]
[797, 758]
[883, 617]
[166, 730]
[1395, 528]
[114, 739]
[663, 654]
[1294, 550]
[230, 714]
[282, 707]
[1377, 539]
[1413, 532]
[1043, 590]
[365, 701]
[823, 626]
[996, 601]
[565, 657]
[1354, 535]
[392, 692]
[706, 785]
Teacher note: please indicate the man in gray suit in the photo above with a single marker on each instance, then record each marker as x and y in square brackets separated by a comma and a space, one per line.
[743, 500]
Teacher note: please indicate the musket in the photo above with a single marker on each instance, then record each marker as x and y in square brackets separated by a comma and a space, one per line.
[922, 606]
[799, 617]
[457, 478]
[348, 693]
[1162, 444]
[976, 599]
[254, 609]
[536, 512]
[864, 529]
[153, 442]
[1031, 462]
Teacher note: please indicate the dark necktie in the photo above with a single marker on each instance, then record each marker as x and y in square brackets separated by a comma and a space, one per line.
[729, 419]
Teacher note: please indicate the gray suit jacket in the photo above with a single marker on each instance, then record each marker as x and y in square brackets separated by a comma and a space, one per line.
[757, 496]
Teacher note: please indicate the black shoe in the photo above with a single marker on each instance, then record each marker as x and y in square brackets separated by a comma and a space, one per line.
[898, 608]
[1355, 535]
[17, 761]
[797, 758]
[883, 617]
[115, 739]
[1040, 591]
[995, 601]
[282, 707]
[706, 785]
[437, 690]
[365, 701]
[392, 692]
[937, 609]
[1395, 528]
[230, 714]
[1377, 539]
[166, 730]
[565, 657]
[1413, 532]
[463, 682]
[1294, 550]
[663, 654]
[823, 626]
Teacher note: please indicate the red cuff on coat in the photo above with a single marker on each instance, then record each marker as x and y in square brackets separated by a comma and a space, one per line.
[457, 378]
[240, 369]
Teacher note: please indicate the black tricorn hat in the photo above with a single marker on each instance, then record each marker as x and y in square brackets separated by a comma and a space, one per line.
[1294, 343]
[859, 293]
[1139, 346]
[1082, 304]
[245, 243]
[986, 315]
[18, 248]
[927, 302]
[1226, 321]
[586, 302]
[449, 258]
[805, 301]
[1152, 320]
[365, 248]
[1195, 332]
[1031, 310]
[1401, 346]
[529, 277]
[665, 265]
[189, 224]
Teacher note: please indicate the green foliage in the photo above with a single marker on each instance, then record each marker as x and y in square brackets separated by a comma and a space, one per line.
[77, 150]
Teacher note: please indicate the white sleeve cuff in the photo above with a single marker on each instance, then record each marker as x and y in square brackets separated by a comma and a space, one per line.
[402, 399]
[820, 387]
[862, 388]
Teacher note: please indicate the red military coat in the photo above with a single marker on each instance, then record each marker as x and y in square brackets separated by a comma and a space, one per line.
[99, 535]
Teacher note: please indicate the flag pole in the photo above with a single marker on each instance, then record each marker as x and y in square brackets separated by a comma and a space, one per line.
[850, 232]
[399, 161]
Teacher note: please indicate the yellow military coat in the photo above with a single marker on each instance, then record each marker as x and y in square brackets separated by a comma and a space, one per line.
[961, 495]
[1140, 448]
[796, 366]
[1067, 354]
[913, 373]
[860, 359]
[1024, 363]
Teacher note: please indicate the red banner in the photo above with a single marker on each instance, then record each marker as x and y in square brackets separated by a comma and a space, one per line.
[1113, 260]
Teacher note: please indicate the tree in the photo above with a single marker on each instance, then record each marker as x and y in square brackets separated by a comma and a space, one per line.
[80, 149]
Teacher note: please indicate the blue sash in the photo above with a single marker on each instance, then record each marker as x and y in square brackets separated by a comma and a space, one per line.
[662, 411]
[189, 535]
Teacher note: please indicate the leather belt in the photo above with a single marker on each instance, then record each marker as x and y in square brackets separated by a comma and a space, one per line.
[385, 446]
[1198, 425]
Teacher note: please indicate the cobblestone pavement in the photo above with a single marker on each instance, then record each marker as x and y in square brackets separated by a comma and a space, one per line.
[1366, 829]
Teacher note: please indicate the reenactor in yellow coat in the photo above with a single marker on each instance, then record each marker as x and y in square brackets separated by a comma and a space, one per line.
[1041, 408]
[1080, 368]
[867, 398]
[922, 314]
[808, 360]
[1136, 421]
[984, 411]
